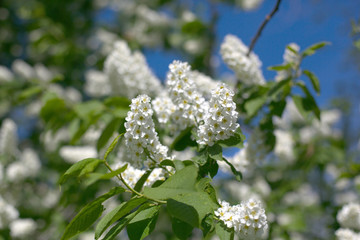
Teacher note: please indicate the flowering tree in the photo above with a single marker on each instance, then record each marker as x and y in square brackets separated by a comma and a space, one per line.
[185, 157]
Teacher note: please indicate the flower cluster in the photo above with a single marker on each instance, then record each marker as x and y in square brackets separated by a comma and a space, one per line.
[190, 105]
[292, 58]
[347, 234]
[73, 154]
[204, 83]
[97, 84]
[221, 119]
[140, 137]
[8, 138]
[247, 68]
[128, 73]
[248, 218]
[164, 108]
[349, 216]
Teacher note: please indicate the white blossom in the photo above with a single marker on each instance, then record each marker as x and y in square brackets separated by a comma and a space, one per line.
[247, 68]
[23, 69]
[248, 218]
[141, 139]
[97, 84]
[8, 213]
[22, 228]
[203, 83]
[221, 119]
[346, 234]
[5, 74]
[8, 137]
[249, 5]
[284, 145]
[349, 216]
[164, 108]
[128, 73]
[73, 154]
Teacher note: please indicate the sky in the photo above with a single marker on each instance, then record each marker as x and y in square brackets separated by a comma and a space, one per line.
[304, 22]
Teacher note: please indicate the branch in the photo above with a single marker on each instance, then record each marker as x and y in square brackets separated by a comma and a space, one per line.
[267, 19]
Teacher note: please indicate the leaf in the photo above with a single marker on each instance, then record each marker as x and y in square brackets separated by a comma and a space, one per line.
[107, 133]
[86, 110]
[253, 106]
[223, 232]
[112, 146]
[236, 140]
[178, 164]
[312, 49]
[191, 207]
[183, 140]
[118, 102]
[314, 80]
[205, 186]
[143, 223]
[88, 215]
[80, 168]
[306, 106]
[236, 173]
[280, 67]
[140, 183]
[278, 87]
[167, 162]
[117, 213]
[29, 92]
[215, 152]
[181, 229]
[292, 50]
[182, 181]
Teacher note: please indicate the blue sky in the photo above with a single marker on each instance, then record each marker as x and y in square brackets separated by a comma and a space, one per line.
[302, 21]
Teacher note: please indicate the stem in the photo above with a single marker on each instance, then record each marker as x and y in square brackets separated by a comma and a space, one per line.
[262, 26]
[130, 188]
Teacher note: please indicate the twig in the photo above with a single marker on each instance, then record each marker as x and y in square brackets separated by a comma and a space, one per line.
[267, 19]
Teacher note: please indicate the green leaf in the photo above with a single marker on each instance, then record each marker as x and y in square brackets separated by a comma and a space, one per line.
[29, 92]
[107, 133]
[114, 231]
[280, 67]
[253, 106]
[292, 50]
[314, 80]
[117, 213]
[88, 215]
[80, 168]
[204, 186]
[279, 87]
[236, 140]
[312, 49]
[55, 113]
[223, 232]
[183, 140]
[167, 162]
[236, 173]
[182, 181]
[178, 164]
[181, 229]
[215, 152]
[112, 146]
[191, 207]
[139, 185]
[143, 223]
[88, 109]
[118, 102]
[306, 106]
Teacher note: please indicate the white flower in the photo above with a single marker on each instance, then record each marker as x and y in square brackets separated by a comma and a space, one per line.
[141, 139]
[284, 145]
[163, 108]
[23, 69]
[247, 68]
[203, 83]
[191, 107]
[347, 234]
[8, 138]
[97, 84]
[249, 5]
[27, 166]
[349, 216]
[221, 120]
[248, 218]
[22, 228]
[73, 154]
[5, 74]
[129, 74]
[43, 73]
[8, 213]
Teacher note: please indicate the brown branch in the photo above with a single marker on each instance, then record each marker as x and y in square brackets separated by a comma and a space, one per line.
[267, 19]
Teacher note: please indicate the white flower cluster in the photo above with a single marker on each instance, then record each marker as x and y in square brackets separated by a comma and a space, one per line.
[247, 68]
[349, 216]
[22, 228]
[249, 5]
[8, 138]
[5, 74]
[284, 145]
[97, 84]
[221, 119]
[247, 218]
[128, 73]
[7, 213]
[132, 175]
[164, 108]
[190, 105]
[73, 154]
[346, 234]
[203, 83]
[140, 137]
[27, 166]
[289, 58]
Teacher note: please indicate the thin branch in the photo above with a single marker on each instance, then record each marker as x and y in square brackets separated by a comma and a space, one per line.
[267, 19]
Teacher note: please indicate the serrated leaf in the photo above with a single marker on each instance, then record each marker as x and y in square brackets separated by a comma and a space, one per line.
[119, 212]
[88, 214]
[143, 223]
[182, 181]
[314, 80]
[312, 49]
[80, 168]
[112, 146]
